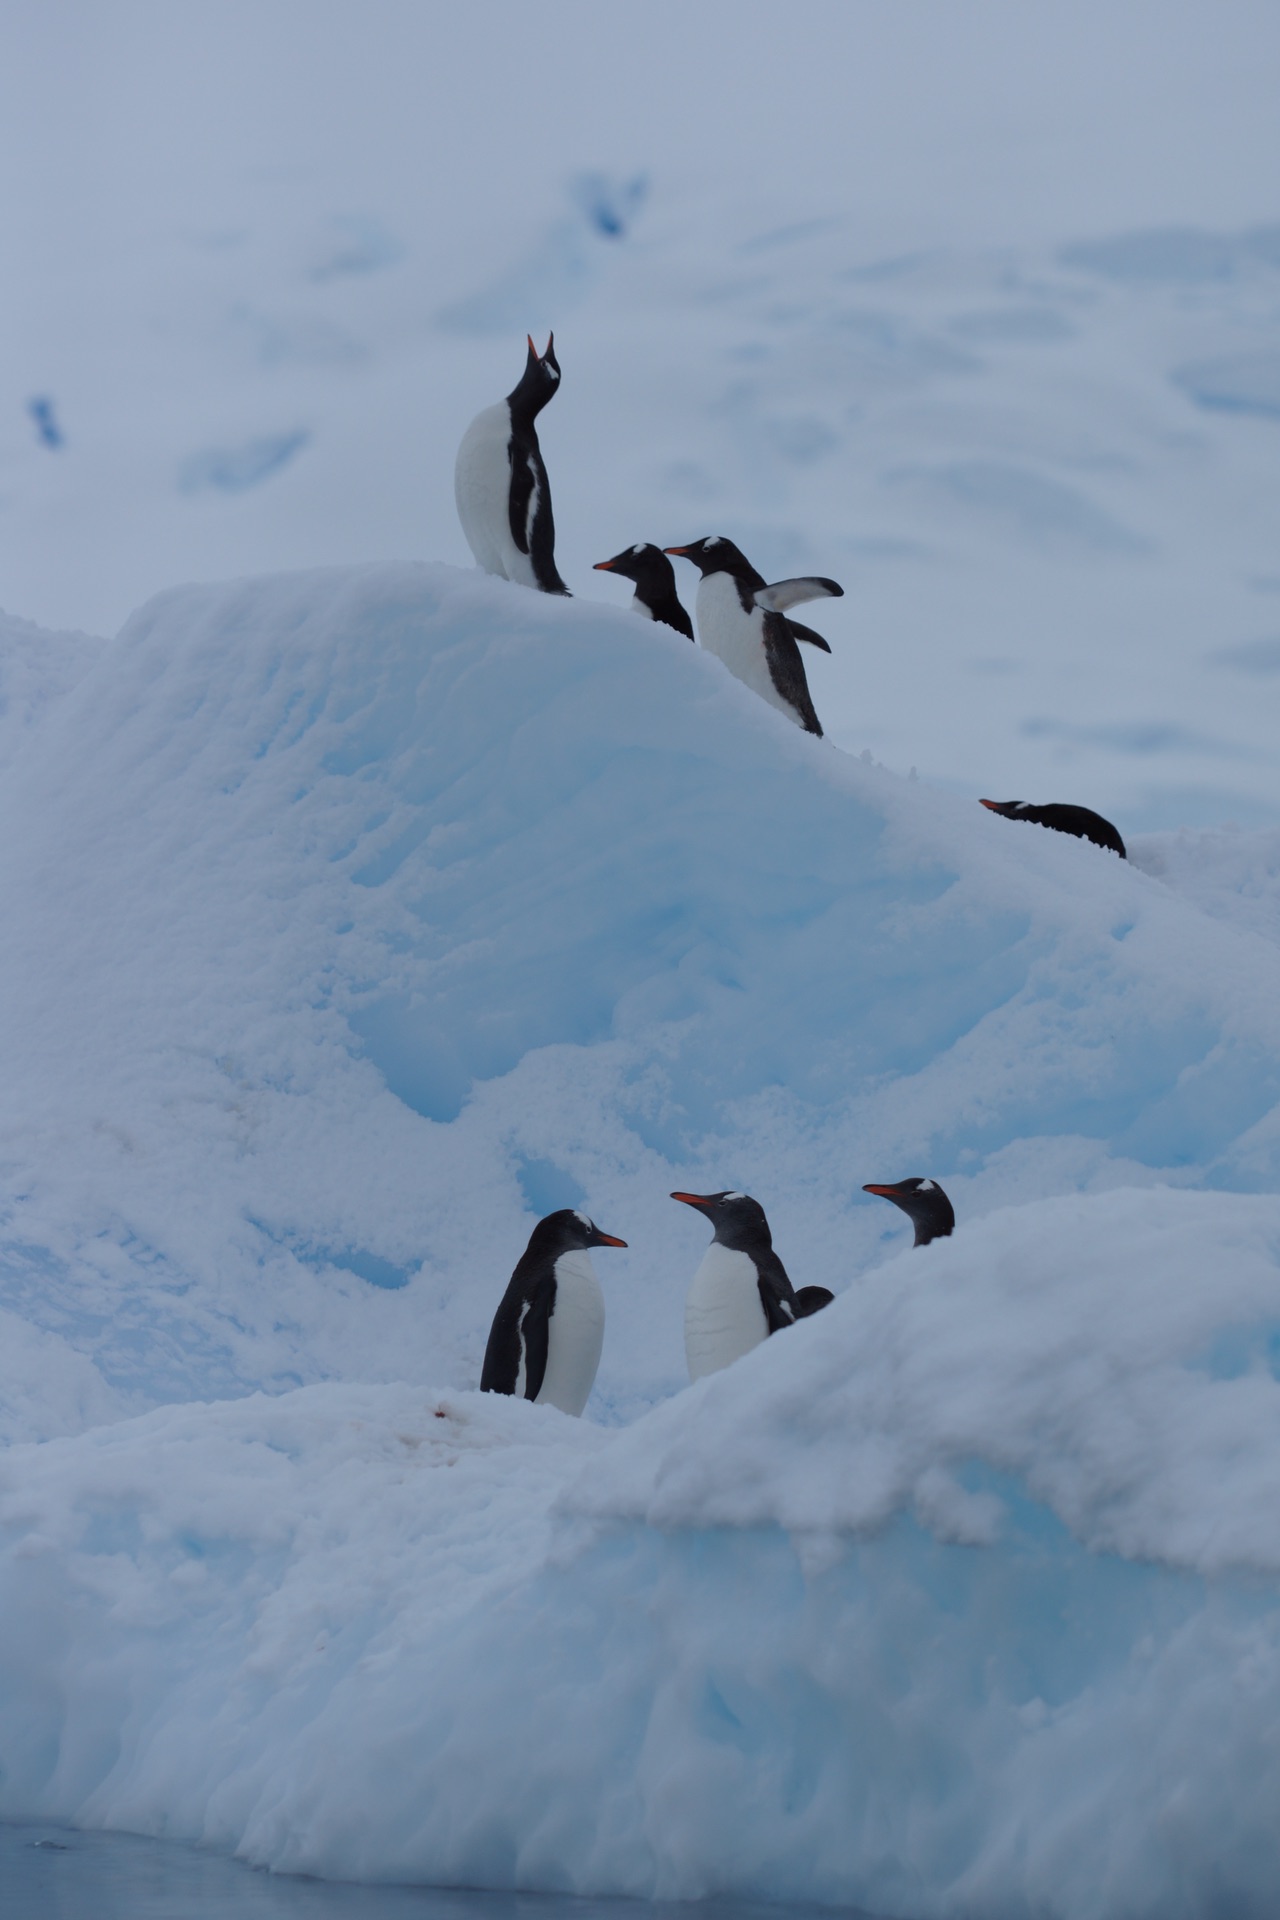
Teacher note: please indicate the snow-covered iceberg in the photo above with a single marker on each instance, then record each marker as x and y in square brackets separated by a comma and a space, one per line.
[356, 918]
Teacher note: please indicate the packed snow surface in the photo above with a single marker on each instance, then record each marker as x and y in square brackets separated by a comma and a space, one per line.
[355, 919]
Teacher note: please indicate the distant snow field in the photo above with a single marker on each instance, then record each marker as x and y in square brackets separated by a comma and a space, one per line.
[356, 918]
[1043, 473]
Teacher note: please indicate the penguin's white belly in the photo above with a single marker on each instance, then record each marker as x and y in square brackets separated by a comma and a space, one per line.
[735, 636]
[575, 1335]
[482, 489]
[639, 606]
[723, 1315]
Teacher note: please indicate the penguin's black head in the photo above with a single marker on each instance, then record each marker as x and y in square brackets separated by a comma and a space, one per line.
[927, 1206]
[567, 1231]
[738, 1220]
[715, 555]
[538, 382]
[648, 566]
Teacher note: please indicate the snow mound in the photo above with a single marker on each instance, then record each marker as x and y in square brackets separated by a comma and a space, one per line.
[358, 917]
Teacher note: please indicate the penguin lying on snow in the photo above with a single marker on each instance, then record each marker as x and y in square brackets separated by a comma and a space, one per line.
[500, 482]
[926, 1205]
[740, 1294]
[1083, 822]
[546, 1337]
[742, 620]
[655, 583]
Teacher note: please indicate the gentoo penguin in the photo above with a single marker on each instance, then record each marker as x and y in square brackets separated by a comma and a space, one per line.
[740, 1294]
[743, 621]
[1083, 822]
[500, 483]
[927, 1206]
[655, 583]
[546, 1336]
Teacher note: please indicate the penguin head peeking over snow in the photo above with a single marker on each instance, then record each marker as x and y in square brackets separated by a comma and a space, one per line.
[738, 1221]
[537, 384]
[654, 579]
[924, 1203]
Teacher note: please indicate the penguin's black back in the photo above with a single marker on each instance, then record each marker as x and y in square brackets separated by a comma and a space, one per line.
[1082, 822]
[539, 383]
[526, 1308]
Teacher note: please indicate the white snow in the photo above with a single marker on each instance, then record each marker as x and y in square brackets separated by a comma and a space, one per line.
[356, 918]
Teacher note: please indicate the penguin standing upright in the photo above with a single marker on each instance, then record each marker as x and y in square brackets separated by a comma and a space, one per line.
[500, 482]
[743, 621]
[547, 1334]
[925, 1204]
[740, 1293]
[654, 578]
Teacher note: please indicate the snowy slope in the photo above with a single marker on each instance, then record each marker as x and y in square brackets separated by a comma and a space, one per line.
[357, 917]
[305, 861]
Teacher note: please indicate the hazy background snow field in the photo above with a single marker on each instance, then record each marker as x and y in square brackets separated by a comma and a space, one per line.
[973, 307]
[358, 913]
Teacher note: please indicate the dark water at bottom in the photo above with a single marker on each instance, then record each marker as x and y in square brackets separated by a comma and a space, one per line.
[51, 1873]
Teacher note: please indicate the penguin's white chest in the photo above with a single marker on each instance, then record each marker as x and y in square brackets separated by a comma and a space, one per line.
[482, 489]
[723, 1315]
[575, 1335]
[736, 636]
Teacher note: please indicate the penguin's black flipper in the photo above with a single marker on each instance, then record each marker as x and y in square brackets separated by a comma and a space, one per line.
[786, 670]
[535, 1332]
[808, 635]
[524, 478]
[793, 593]
[812, 1300]
[502, 1354]
[501, 1368]
[777, 1295]
[536, 534]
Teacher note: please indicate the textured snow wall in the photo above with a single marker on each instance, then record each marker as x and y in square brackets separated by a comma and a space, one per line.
[357, 918]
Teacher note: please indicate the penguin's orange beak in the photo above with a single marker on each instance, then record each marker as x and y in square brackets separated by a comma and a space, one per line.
[681, 550]
[533, 350]
[887, 1193]
[603, 566]
[699, 1200]
[993, 804]
[608, 1239]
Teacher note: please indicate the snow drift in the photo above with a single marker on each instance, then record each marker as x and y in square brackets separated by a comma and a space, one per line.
[355, 919]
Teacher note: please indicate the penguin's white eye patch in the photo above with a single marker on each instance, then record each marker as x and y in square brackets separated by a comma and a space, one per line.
[735, 1196]
[582, 1219]
[927, 1186]
[553, 372]
[639, 549]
